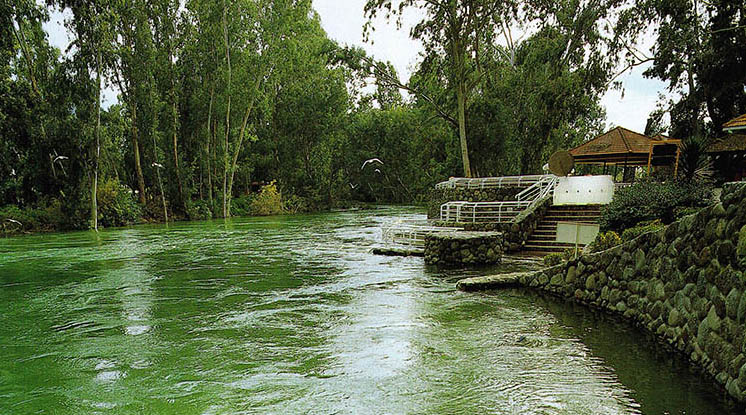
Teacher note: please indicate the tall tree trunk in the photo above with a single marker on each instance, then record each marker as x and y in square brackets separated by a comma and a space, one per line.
[227, 113]
[461, 97]
[209, 154]
[175, 125]
[175, 121]
[459, 73]
[157, 167]
[94, 187]
[238, 150]
[136, 147]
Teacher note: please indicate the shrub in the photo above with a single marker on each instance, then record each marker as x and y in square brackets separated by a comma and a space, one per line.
[641, 228]
[554, 258]
[116, 205]
[296, 204]
[604, 241]
[680, 212]
[241, 206]
[267, 202]
[199, 210]
[648, 201]
[46, 217]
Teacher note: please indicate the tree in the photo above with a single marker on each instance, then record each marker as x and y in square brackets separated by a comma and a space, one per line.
[455, 30]
[698, 51]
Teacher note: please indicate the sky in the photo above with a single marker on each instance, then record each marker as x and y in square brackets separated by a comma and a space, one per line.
[343, 21]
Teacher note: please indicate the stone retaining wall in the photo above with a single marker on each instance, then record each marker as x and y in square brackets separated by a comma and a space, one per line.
[441, 196]
[463, 248]
[684, 283]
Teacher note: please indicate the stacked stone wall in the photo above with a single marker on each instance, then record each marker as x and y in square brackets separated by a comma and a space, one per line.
[684, 283]
[463, 248]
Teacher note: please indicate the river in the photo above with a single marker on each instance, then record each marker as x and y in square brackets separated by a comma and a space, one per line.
[293, 315]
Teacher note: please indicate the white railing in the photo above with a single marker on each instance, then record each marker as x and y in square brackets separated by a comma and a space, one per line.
[482, 212]
[490, 182]
[497, 212]
[412, 233]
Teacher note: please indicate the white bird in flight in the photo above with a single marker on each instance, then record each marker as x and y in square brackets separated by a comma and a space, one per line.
[159, 165]
[371, 161]
[353, 186]
[59, 158]
[14, 221]
[378, 171]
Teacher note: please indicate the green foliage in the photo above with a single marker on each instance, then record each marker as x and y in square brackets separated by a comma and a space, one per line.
[199, 210]
[604, 241]
[116, 205]
[46, 217]
[241, 206]
[648, 200]
[641, 228]
[554, 258]
[695, 165]
[680, 212]
[267, 202]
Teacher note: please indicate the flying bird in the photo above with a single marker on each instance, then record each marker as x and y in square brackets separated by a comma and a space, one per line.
[59, 158]
[378, 171]
[14, 221]
[159, 165]
[371, 161]
[354, 186]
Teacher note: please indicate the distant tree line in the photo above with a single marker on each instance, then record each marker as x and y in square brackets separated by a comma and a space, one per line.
[216, 97]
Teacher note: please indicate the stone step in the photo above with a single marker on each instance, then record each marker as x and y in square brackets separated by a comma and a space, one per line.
[564, 215]
[545, 232]
[535, 238]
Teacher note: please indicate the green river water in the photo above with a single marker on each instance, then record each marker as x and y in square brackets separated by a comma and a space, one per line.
[293, 315]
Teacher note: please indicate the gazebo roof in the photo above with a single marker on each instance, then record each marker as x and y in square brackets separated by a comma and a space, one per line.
[616, 146]
[731, 142]
[738, 123]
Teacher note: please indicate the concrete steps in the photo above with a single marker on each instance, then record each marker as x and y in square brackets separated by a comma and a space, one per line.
[542, 241]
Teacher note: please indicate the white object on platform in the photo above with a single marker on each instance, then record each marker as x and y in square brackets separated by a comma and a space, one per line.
[584, 190]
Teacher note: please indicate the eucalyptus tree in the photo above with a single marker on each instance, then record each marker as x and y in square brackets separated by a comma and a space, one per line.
[455, 30]
[698, 49]
[92, 25]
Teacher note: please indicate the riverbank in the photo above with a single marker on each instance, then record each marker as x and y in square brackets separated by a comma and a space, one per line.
[685, 284]
[18, 221]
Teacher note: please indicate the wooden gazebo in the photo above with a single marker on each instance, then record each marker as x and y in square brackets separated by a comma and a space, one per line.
[629, 149]
[729, 152]
[736, 124]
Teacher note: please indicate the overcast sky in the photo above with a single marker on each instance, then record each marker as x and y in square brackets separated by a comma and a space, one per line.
[343, 20]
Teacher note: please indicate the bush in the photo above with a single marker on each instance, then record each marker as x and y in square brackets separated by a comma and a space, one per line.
[44, 218]
[554, 258]
[116, 205]
[680, 212]
[648, 201]
[641, 228]
[241, 206]
[199, 210]
[604, 241]
[267, 202]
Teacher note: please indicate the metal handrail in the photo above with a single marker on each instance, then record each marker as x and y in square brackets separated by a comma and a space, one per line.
[490, 182]
[412, 233]
[497, 212]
